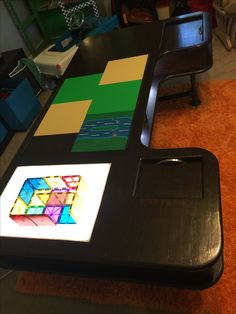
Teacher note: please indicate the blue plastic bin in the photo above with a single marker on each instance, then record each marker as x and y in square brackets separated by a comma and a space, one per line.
[20, 108]
[3, 132]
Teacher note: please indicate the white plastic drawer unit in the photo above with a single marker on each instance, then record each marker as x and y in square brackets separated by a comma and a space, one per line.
[54, 63]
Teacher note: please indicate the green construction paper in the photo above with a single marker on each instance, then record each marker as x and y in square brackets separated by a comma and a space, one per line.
[104, 132]
[90, 145]
[78, 88]
[118, 97]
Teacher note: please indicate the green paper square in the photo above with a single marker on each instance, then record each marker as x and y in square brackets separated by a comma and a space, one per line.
[99, 145]
[78, 88]
[117, 97]
[115, 139]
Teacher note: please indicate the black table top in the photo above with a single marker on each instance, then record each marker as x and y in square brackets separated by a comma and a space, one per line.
[157, 221]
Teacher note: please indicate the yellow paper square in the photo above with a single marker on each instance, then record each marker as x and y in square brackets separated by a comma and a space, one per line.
[124, 70]
[64, 118]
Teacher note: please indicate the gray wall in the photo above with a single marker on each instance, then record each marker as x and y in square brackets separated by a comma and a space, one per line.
[9, 35]
[106, 5]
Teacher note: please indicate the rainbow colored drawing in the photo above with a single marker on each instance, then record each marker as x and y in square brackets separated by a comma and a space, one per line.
[49, 201]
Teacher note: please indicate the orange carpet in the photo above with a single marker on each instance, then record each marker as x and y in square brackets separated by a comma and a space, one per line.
[212, 126]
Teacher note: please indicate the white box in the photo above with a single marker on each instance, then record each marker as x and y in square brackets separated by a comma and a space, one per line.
[164, 9]
[54, 63]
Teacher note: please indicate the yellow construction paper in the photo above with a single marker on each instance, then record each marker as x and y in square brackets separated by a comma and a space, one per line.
[124, 70]
[64, 118]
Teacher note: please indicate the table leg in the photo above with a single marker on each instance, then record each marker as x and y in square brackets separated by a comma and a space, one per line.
[195, 100]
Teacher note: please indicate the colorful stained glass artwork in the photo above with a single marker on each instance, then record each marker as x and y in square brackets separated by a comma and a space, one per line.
[73, 210]
[49, 201]
[76, 207]
[66, 216]
[19, 207]
[35, 210]
[27, 192]
[43, 196]
[53, 212]
[56, 183]
[36, 201]
[61, 198]
[71, 182]
[40, 220]
[23, 220]
[38, 184]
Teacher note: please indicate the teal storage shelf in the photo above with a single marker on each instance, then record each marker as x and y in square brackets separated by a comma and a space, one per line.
[21, 107]
[3, 132]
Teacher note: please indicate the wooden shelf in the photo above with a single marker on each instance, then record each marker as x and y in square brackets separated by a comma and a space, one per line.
[131, 13]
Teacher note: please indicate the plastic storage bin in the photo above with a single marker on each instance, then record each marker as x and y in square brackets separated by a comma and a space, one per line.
[20, 108]
[3, 132]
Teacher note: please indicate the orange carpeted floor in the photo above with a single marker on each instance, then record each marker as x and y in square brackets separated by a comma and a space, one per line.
[212, 126]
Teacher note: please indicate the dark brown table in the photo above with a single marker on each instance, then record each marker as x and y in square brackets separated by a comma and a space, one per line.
[160, 216]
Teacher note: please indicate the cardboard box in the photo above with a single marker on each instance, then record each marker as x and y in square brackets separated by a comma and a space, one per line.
[164, 9]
